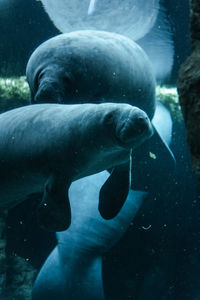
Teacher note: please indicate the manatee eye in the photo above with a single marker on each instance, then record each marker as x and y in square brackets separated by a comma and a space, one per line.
[109, 119]
[40, 75]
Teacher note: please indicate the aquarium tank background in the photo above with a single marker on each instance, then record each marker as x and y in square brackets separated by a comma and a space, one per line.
[152, 250]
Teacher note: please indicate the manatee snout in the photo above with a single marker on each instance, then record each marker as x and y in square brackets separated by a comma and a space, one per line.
[135, 128]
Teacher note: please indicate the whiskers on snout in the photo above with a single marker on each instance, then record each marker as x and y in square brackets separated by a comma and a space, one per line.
[135, 129]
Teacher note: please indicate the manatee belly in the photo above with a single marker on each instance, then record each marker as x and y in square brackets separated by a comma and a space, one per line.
[87, 165]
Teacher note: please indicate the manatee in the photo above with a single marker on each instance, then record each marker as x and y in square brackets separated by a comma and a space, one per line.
[131, 18]
[47, 146]
[94, 67]
[75, 264]
[149, 23]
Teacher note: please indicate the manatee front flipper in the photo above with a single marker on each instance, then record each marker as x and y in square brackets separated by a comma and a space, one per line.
[54, 213]
[152, 163]
[114, 191]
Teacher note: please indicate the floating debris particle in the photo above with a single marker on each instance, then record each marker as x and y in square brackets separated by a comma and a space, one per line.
[152, 155]
[146, 228]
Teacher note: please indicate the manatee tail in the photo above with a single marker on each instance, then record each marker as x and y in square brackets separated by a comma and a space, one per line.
[69, 275]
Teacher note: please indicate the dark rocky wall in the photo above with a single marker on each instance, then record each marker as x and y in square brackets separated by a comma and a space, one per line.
[189, 89]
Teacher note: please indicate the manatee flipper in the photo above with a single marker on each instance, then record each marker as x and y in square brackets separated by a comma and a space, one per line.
[114, 191]
[151, 163]
[54, 213]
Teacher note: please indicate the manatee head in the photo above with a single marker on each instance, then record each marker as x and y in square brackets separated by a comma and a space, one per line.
[134, 128]
[128, 125]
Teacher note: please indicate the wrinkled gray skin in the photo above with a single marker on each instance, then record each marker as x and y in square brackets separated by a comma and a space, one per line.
[91, 66]
[47, 146]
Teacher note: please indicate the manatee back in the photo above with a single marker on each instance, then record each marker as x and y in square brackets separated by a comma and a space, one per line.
[91, 66]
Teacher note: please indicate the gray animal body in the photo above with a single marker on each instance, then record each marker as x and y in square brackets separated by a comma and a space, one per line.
[47, 146]
[91, 66]
[94, 67]
[75, 264]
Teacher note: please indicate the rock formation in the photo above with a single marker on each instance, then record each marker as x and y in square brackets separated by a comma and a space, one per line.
[189, 89]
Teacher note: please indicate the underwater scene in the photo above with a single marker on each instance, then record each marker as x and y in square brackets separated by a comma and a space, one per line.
[99, 150]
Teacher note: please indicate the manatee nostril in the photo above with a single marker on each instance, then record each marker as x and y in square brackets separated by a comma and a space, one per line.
[141, 124]
[135, 128]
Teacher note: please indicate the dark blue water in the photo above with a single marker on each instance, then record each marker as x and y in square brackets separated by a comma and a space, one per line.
[158, 258]
[24, 25]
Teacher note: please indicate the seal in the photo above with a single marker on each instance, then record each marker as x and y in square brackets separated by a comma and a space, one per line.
[47, 146]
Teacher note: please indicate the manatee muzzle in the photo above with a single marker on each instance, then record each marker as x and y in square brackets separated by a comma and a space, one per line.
[134, 129]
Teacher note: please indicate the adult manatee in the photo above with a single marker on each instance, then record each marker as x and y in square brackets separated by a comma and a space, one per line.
[73, 270]
[47, 146]
[147, 22]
